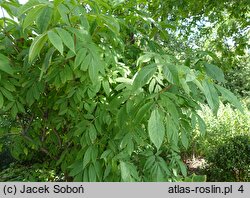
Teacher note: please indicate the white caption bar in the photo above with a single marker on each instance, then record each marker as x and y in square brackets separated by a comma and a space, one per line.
[123, 190]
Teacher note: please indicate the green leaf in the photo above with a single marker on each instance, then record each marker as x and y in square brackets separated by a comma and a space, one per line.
[183, 168]
[184, 139]
[67, 38]
[36, 46]
[229, 96]
[84, 22]
[47, 61]
[199, 178]
[92, 173]
[144, 75]
[164, 165]
[156, 128]
[144, 58]
[31, 16]
[4, 65]
[80, 56]
[7, 85]
[170, 107]
[86, 62]
[93, 71]
[105, 154]
[171, 131]
[167, 73]
[28, 6]
[111, 23]
[214, 72]
[211, 95]
[56, 41]
[7, 94]
[29, 97]
[142, 112]
[43, 20]
[76, 168]
[14, 111]
[64, 11]
[87, 157]
[171, 73]
[106, 87]
[201, 124]
[20, 107]
[92, 133]
[128, 172]
[98, 170]
[1, 100]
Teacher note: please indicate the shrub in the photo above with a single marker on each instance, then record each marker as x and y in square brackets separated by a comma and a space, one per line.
[227, 124]
[225, 144]
[233, 158]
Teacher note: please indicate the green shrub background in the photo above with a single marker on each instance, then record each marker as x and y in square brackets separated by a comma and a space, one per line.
[225, 146]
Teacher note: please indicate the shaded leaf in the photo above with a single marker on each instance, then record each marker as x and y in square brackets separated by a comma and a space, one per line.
[7, 94]
[142, 112]
[4, 65]
[46, 62]
[1, 100]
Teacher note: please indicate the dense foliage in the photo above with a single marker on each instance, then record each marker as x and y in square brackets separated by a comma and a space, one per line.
[27, 173]
[97, 89]
[224, 147]
[232, 158]
[227, 124]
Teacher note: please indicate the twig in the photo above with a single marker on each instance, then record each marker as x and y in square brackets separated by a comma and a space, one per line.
[165, 89]
[58, 137]
[27, 137]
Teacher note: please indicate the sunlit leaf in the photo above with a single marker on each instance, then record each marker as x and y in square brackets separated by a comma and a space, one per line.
[56, 41]
[229, 96]
[156, 128]
[211, 95]
[36, 46]
[144, 75]
[67, 38]
[215, 72]
[31, 16]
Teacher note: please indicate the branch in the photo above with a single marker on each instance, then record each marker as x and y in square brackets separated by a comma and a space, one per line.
[42, 148]
[165, 89]
[58, 136]
[27, 137]
[24, 132]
